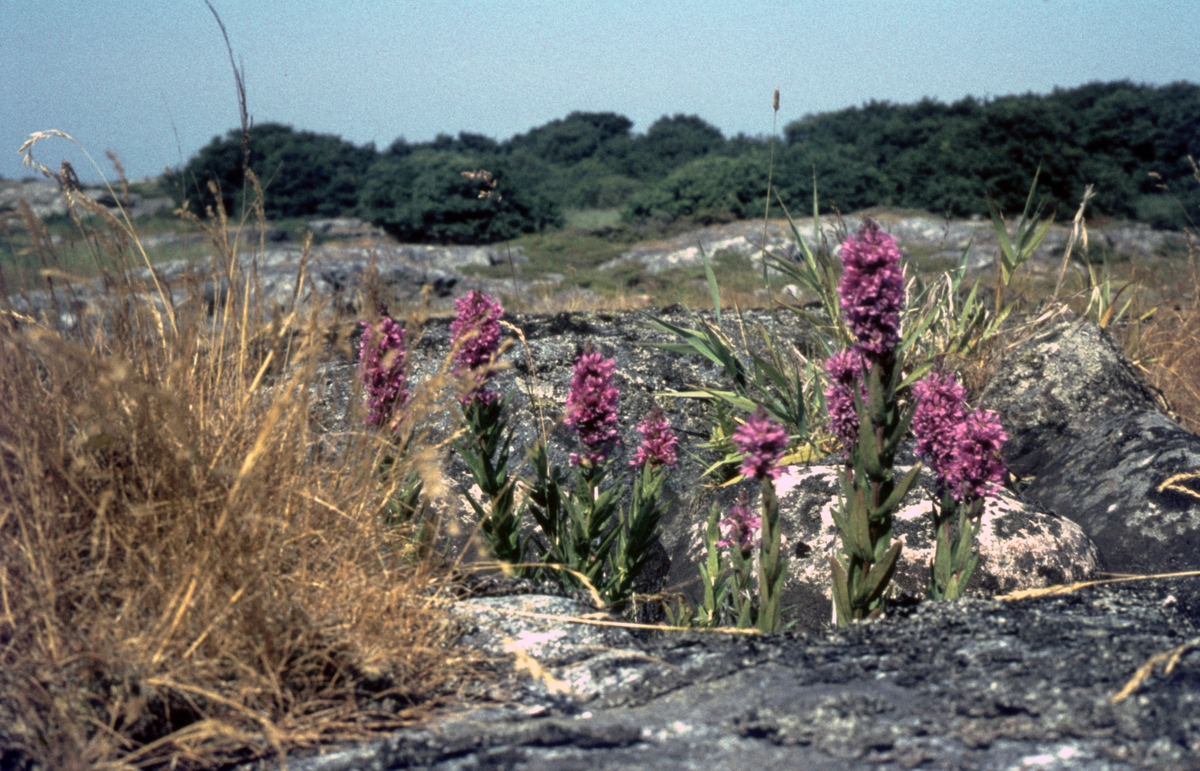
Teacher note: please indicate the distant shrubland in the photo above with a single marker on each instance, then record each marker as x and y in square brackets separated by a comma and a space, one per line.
[1131, 141]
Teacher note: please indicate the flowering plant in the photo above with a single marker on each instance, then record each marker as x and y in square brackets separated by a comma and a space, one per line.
[964, 450]
[762, 443]
[601, 545]
[382, 368]
[865, 413]
[488, 444]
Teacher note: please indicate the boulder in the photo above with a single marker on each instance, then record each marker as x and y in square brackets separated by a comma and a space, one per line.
[969, 684]
[1019, 546]
[1057, 386]
[1133, 485]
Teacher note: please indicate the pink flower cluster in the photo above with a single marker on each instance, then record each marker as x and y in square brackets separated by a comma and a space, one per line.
[963, 447]
[476, 336]
[658, 441]
[846, 368]
[592, 406]
[762, 441]
[742, 527]
[941, 406]
[872, 288]
[381, 367]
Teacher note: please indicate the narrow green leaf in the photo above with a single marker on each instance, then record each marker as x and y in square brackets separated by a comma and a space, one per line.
[899, 491]
[841, 591]
[877, 580]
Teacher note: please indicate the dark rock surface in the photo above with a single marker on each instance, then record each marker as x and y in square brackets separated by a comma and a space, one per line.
[1133, 485]
[974, 684]
[1054, 388]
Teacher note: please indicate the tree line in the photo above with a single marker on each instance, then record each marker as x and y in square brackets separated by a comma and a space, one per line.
[1130, 141]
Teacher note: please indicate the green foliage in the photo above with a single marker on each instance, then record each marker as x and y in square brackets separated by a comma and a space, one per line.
[863, 573]
[486, 450]
[304, 174]
[1130, 141]
[436, 196]
[951, 157]
[712, 183]
[780, 383]
[954, 561]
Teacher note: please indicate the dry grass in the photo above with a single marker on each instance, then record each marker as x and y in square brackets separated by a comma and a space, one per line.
[1167, 347]
[183, 581]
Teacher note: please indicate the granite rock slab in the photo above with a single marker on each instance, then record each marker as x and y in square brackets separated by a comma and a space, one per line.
[972, 684]
[1133, 485]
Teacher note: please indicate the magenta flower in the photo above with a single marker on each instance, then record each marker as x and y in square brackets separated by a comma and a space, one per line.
[592, 406]
[658, 441]
[742, 527]
[476, 336]
[941, 407]
[963, 448]
[381, 367]
[872, 289]
[845, 368]
[762, 441]
[975, 469]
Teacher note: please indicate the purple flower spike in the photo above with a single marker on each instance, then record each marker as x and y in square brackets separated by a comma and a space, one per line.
[381, 367]
[658, 441]
[941, 408]
[742, 527]
[476, 336]
[975, 469]
[845, 368]
[872, 289]
[592, 406]
[762, 442]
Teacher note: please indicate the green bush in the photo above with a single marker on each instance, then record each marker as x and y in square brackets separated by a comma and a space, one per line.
[710, 184]
[427, 196]
[304, 174]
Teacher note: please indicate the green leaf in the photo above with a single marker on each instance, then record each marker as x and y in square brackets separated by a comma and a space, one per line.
[899, 491]
[841, 592]
[712, 284]
[877, 580]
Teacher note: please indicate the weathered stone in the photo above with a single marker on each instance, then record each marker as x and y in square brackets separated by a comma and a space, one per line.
[1019, 547]
[968, 684]
[1133, 485]
[1057, 386]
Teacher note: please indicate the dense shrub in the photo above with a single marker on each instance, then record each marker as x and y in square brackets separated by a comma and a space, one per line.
[305, 174]
[950, 157]
[1126, 140]
[428, 195]
[711, 184]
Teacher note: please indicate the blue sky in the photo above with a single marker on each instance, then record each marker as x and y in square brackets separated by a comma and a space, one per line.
[150, 79]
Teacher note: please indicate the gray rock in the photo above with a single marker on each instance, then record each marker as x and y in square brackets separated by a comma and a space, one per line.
[1019, 547]
[1133, 485]
[1054, 388]
[974, 684]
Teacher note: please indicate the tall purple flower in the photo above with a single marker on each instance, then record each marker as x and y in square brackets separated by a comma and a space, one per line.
[658, 441]
[872, 289]
[963, 448]
[742, 527]
[381, 367]
[592, 406]
[476, 336]
[846, 368]
[941, 407]
[762, 441]
[975, 469]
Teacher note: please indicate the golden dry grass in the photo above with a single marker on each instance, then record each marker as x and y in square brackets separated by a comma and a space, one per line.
[183, 581]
